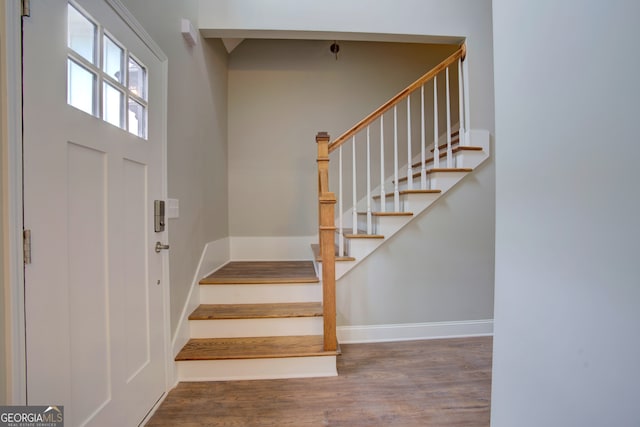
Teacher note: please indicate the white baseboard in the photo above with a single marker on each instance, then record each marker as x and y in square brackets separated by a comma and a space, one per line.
[257, 369]
[272, 248]
[414, 331]
[214, 255]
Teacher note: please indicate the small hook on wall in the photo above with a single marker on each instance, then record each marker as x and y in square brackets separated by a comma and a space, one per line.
[335, 48]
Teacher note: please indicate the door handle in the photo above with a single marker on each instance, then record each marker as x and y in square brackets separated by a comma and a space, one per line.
[160, 246]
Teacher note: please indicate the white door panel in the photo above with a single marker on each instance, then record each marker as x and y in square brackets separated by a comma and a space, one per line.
[94, 292]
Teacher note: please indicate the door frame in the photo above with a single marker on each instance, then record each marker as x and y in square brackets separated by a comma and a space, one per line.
[14, 261]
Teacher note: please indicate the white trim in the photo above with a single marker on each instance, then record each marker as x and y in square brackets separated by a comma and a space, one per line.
[414, 331]
[270, 248]
[261, 293]
[153, 410]
[214, 255]
[16, 353]
[137, 28]
[257, 369]
[260, 327]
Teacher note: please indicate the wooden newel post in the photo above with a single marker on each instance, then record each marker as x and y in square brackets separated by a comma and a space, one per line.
[327, 229]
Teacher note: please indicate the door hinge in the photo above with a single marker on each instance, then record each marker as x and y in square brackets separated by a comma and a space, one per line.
[26, 246]
[26, 8]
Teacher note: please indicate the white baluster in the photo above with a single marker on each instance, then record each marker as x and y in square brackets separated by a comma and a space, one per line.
[383, 196]
[369, 217]
[436, 149]
[396, 189]
[354, 214]
[340, 210]
[448, 102]
[423, 148]
[460, 104]
[467, 104]
[409, 156]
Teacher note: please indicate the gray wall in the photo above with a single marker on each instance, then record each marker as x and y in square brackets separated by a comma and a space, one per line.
[281, 93]
[409, 20]
[438, 268]
[197, 138]
[567, 305]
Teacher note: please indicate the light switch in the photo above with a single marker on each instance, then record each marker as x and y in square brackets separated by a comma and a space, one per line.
[173, 208]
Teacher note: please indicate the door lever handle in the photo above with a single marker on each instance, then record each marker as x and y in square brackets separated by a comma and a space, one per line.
[160, 246]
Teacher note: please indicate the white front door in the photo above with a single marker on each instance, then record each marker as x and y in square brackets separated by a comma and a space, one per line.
[94, 96]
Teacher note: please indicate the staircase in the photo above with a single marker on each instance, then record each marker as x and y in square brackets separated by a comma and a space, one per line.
[259, 320]
[379, 222]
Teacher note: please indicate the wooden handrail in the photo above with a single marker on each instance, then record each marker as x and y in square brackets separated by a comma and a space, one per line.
[460, 53]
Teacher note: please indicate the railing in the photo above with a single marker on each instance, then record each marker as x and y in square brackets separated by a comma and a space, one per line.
[418, 119]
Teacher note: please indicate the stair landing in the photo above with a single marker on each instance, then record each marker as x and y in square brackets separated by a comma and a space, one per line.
[255, 272]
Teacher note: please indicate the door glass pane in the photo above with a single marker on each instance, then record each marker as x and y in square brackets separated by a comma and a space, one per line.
[112, 105]
[137, 119]
[113, 60]
[81, 34]
[137, 79]
[81, 87]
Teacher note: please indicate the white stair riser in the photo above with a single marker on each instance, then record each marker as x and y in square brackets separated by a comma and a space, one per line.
[416, 203]
[445, 180]
[389, 225]
[470, 159]
[257, 369]
[262, 293]
[360, 248]
[389, 205]
[408, 203]
[231, 328]
[342, 267]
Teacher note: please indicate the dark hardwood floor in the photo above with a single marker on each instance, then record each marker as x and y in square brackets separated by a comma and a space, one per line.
[416, 383]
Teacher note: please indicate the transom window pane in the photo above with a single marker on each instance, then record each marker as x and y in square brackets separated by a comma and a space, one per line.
[137, 119]
[81, 87]
[113, 60]
[112, 105]
[103, 78]
[81, 34]
[137, 79]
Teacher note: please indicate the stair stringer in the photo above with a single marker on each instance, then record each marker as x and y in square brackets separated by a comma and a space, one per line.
[476, 137]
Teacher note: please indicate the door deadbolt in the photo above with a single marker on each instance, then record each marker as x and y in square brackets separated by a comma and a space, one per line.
[160, 246]
[158, 216]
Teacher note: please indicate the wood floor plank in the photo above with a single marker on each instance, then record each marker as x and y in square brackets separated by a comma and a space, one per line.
[435, 383]
[256, 272]
[253, 348]
[256, 311]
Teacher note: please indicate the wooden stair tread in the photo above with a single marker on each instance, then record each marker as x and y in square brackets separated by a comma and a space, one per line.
[256, 311]
[263, 272]
[388, 213]
[444, 153]
[450, 170]
[362, 234]
[403, 192]
[430, 171]
[253, 348]
[316, 253]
